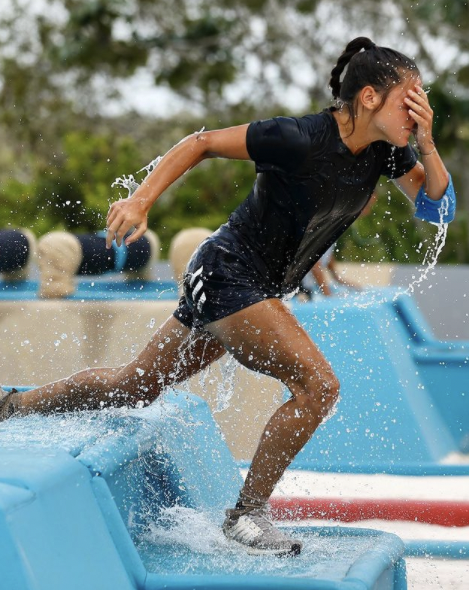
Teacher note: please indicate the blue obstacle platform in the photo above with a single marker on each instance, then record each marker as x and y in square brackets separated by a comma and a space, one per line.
[79, 494]
[404, 395]
[96, 289]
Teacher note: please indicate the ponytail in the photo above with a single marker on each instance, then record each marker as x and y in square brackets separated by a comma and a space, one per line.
[352, 48]
[367, 65]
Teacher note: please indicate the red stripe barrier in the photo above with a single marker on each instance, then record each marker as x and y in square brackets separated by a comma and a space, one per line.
[444, 513]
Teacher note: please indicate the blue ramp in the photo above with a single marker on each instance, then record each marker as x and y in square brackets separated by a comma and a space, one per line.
[386, 419]
[444, 369]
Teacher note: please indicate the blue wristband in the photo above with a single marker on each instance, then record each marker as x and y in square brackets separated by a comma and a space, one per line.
[441, 211]
[120, 253]
[121, 256]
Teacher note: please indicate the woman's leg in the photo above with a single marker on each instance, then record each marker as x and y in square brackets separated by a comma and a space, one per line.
[173, 355]
[267, 338]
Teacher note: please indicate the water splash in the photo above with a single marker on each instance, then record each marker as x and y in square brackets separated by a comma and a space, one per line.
[433, 251]
[429, 262]
[183, 526]
[151, 166]
[226, 385]
[129, 183]
[187, 541]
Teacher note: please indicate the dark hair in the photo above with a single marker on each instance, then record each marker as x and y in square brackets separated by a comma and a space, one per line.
[379, 67]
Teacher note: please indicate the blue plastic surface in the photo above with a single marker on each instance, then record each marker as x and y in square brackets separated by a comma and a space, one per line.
[334, 558]
[97, 289]
[81, 495]
[436, 548]
[399, 412]
[50, 535]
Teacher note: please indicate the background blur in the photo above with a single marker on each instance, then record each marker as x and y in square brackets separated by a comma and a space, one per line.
[91, 90]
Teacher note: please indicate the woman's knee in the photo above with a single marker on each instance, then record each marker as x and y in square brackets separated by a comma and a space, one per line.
[319, 396]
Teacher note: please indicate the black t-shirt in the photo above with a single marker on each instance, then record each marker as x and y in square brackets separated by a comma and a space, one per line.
[309, 190]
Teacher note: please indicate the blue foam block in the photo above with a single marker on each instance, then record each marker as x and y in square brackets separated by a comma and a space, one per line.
[51, 527]
[77, 491]
[386, 415]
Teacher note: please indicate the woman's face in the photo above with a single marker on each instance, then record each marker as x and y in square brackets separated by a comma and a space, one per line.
[392, 121]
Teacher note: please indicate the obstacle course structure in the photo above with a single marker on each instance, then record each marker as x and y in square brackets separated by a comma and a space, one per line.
[80, 493]
[404, 395]
[105, 500]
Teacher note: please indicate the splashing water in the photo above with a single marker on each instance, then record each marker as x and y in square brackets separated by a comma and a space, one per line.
[151, 166]
[130, 184]
[429, 261]
[187, 541]
[182, 526]
[226, 385]
[433, 252]
[127, 182]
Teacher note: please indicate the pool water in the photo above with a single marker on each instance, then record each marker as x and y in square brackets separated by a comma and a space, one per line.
[186, 541]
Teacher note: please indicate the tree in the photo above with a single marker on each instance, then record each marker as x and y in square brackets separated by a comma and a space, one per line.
[230, 61]
[202, 49]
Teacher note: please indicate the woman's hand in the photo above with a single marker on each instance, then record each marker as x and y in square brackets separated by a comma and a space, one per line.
[124, 215]
[422, 114]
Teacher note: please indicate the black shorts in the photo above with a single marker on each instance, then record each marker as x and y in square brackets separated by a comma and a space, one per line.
[220, 280]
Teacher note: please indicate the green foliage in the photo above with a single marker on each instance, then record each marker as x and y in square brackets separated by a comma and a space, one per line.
[73, 192]
[60, 150]
[205, 197]
[388, 234]
[438, 12]
[89, 41]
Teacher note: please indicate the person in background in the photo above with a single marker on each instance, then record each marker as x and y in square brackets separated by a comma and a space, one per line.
[326, 268]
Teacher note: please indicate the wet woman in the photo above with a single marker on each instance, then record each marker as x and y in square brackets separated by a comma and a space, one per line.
[315, 174]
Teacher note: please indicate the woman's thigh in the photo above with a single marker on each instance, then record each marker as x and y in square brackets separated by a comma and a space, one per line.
[174, 353]
[267, 338]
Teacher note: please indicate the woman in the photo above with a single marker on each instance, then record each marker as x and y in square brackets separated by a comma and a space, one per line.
[315, 174]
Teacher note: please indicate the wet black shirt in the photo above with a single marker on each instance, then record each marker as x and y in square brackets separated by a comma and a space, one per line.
[309, 190]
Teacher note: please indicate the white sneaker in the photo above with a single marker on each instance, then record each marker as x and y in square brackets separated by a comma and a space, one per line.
[255, 531]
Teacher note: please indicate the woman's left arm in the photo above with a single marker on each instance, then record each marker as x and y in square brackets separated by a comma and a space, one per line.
[431, 172]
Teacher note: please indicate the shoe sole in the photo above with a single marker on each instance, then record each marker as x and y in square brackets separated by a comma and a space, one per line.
[292, 552]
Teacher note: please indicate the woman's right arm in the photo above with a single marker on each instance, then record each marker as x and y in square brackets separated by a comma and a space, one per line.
[133, 211]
